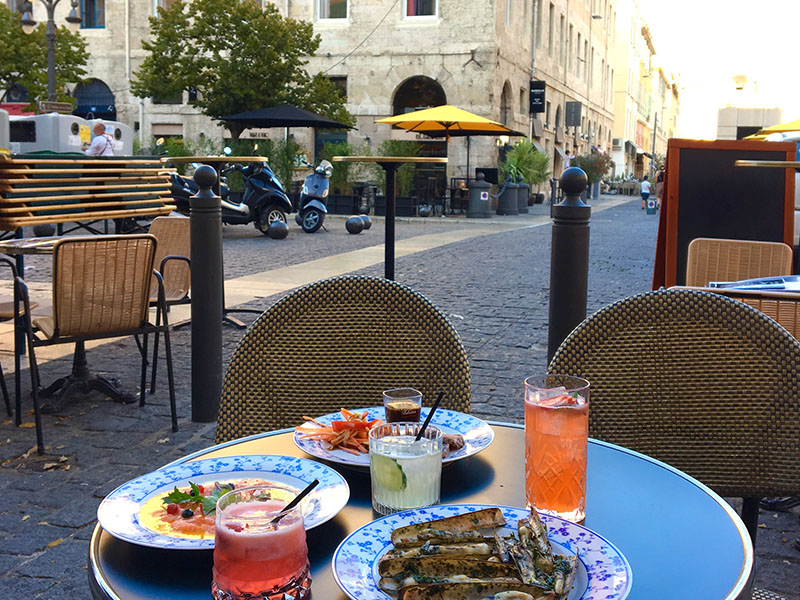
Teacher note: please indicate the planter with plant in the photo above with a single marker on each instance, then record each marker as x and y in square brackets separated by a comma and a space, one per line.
[404, 177]
[595, 165]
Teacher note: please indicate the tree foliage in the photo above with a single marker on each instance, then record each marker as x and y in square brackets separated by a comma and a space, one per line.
[237, 57]
[23, 57]
[595, 164]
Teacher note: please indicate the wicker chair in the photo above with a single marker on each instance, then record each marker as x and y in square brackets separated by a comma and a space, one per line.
[10, 314]
[339, 343]
[702, 382]
[732, 260]
[101, 289]
[173, 262]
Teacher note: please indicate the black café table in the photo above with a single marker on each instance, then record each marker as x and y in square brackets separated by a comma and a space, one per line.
[681, 539]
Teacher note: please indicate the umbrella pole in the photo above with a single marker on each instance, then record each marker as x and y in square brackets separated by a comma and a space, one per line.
[468, 160]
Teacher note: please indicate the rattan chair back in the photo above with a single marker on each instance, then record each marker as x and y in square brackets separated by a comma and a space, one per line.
[705, 383]
[339, 343]
[101, 285]
[173, 238]
[733, 260]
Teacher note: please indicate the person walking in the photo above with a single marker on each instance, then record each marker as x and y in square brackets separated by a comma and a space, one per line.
[101, 142]
[645, 191]
[659, 187]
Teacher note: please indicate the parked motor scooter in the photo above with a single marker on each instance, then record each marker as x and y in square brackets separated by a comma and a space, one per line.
[264, 200]
[312, 206]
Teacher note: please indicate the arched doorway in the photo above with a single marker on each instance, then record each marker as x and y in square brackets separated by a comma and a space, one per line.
[417, 92]
[429, 181]
[95, 101]
[506, 108]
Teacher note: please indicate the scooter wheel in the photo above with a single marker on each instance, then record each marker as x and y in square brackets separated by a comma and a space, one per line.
[268, 215]
[312, 220]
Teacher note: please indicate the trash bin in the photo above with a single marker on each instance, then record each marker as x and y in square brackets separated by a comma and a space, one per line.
[507, 203]
[478, 203]
[523, 193]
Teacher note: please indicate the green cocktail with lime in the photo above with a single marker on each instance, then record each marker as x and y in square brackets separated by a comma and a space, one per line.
[405, 472]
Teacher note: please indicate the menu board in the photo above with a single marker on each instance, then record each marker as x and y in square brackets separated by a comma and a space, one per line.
[706, 195]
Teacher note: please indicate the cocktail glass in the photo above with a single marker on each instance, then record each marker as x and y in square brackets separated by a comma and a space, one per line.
[405, 473]
[402, 404]
[556, 440]
[257, 559]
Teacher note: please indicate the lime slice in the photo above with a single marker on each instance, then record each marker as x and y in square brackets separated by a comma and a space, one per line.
[388, 473]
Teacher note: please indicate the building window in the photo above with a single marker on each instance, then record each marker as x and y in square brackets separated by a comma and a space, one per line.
[547, 114]
[561, 32]
[340, 83]
[551, 28]
[176, 99]
[420, 8]
[332, 9]
[578, 56]
[569, 45]
[522, 105]
[93, 14]
[539, 24]
[165, 4]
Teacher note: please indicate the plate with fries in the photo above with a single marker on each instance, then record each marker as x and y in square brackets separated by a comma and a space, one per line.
[470, 551]
[341, 437]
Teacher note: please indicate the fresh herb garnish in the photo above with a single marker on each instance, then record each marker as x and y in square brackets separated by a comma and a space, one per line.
[208, 503]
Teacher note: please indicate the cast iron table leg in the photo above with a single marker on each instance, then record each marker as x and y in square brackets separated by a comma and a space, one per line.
[388, 260]
[82, 381]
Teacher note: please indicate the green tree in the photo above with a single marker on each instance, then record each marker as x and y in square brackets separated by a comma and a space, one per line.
[237, 57]
[23, 57]
[596, 165]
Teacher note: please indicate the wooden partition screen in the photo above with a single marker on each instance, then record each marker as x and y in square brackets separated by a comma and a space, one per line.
[706, 195]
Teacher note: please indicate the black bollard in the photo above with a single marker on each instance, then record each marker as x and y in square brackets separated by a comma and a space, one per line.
[207, 293]
[569, 260]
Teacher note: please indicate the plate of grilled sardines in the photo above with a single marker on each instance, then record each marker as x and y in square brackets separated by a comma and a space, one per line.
[478, 552]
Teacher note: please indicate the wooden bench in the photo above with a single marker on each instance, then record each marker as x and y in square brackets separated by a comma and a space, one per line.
[38, 190]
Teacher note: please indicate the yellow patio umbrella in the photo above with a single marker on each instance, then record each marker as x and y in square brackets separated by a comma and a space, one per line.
[779, 128]
[447, 121]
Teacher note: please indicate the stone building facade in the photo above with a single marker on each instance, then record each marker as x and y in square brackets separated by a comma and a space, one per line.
[393, 56]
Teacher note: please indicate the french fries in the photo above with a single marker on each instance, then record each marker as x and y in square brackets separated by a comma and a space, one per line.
[469, 557]
[350, 434]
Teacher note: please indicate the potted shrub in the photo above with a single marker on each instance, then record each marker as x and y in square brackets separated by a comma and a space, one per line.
[540, 173]
[341, 199]
[595, 165]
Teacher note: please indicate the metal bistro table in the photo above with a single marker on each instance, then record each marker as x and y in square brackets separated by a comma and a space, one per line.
[682, 540]
[390, 165]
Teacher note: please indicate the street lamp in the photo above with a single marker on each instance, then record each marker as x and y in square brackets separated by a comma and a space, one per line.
[28, 25]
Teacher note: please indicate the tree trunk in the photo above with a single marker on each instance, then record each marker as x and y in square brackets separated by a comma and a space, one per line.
[236, 130]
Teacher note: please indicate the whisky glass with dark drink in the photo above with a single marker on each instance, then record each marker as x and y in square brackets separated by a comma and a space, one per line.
[402, 404]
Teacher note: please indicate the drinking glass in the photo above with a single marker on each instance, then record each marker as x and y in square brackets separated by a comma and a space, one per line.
[255, 559]
[405, 473]
[556, 440]
[402, 404]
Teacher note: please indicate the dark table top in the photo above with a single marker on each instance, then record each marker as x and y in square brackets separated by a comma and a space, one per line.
[681, 539]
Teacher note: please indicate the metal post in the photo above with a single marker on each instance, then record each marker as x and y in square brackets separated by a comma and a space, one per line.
[207, 286]
[388, 257]
[50, 35]
[569, 260]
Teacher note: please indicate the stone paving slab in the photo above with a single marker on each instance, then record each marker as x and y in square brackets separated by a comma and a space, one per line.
[493, 286]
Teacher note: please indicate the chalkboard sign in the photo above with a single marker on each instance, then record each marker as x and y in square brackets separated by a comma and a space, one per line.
[707, 195]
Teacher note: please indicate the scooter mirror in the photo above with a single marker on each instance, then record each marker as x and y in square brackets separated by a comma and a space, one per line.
[195, 165]
[227, 151]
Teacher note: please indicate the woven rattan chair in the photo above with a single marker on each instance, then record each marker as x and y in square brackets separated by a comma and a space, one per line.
[702, 382]
[173, 262]
[339, 343]
[11, 312]
[101, 289]
[732, 260]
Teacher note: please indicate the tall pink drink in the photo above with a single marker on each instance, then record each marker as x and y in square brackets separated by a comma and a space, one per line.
[254, 558]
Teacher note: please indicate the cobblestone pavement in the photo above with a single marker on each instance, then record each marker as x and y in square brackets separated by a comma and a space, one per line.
[494, 288]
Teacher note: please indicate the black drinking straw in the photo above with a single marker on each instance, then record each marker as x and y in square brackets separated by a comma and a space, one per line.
[296, 501]
[428, 418]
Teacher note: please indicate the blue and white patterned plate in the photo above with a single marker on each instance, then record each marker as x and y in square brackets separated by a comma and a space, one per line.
[118, 513]
[603, 572]
[477, 435]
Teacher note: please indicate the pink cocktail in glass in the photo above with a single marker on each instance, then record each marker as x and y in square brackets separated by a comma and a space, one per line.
[255, 558]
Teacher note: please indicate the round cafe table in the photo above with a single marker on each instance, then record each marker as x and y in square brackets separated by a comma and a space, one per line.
[681, 539]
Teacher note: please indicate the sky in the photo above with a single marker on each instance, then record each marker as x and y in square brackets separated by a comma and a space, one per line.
[706, 42]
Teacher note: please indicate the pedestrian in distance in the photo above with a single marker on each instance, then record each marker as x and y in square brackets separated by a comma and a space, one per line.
[645, 191]
[659, 187]
[101, 142]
